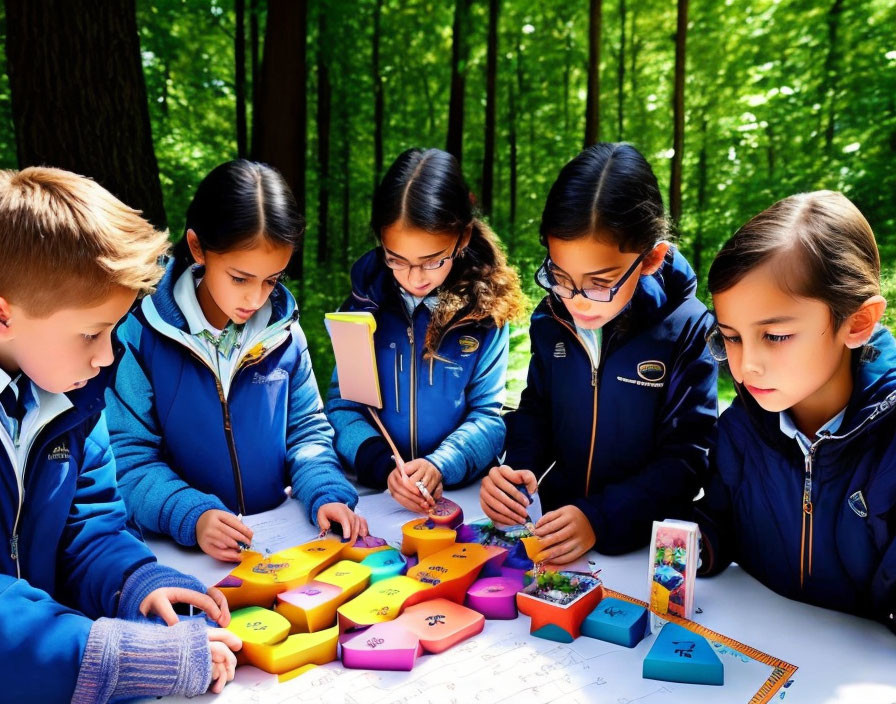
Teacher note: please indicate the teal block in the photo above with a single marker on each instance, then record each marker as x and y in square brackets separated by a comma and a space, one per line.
[553, 632]
[384, 564]
[680, 655]
[616, 621]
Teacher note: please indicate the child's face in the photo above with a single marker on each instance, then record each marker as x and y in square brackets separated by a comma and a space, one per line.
[408, 249]
[239, 282]
[783, 349]
[67, 348]
[588, 262]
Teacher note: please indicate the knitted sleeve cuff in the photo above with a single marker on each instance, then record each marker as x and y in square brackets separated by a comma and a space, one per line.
[147, 579]
[128, 659]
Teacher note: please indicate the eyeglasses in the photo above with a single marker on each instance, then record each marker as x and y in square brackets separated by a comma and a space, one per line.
[715, 343]
[545, 278]
[431, 265]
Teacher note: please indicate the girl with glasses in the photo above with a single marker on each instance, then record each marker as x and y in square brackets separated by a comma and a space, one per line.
[621, 392]
[442, 295]
[802, 484]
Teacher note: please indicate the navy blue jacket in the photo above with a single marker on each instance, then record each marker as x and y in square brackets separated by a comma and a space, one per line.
[631, 437]
[752, 512]
[445, 408]
[183, 447]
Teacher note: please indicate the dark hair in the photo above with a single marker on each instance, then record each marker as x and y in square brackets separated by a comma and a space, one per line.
[607, 189]
[824, 245]
[426, 189]
[238, 202]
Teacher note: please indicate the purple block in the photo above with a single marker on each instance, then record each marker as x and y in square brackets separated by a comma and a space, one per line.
[494, 597]
[383, 646]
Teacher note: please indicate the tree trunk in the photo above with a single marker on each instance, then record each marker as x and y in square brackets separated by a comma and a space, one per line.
[678, 114]
[697, 257]
[79, 96]
[831, 73]
[346, 158]
[512, 137]
[324, 94]
[282, 117]
[592, 104]
[239, 53]
[253, 63]
[488, 158]
[377, 97]
[459, 55]
[620, 74]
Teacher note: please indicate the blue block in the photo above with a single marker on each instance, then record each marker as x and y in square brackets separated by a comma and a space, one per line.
[616, 621]
[680, 655]
[385, 563]
[553, 632]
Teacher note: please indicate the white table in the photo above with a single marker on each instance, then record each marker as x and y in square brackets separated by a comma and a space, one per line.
[841, 658]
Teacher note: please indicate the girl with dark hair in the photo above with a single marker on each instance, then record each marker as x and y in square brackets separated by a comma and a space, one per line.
[802, 489]
[621, 394]
[214, 409]
[442, 295]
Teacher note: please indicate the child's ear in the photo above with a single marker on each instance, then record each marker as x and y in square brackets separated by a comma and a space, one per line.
[654, 260]
[6, 332]
[465, 238]
[860, 324]
[195, 247]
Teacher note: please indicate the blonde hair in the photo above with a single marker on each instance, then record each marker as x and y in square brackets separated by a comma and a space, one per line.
[66, 242]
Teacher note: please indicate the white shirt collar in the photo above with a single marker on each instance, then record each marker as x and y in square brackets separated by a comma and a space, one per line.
[788, 427]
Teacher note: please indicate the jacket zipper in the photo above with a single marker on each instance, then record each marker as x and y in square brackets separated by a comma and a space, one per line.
[413, 392]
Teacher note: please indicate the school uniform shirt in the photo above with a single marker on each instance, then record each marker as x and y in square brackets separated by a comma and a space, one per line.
[628, 419]
[814, 519]
[187, 440]
[443, 407]
[66, 556]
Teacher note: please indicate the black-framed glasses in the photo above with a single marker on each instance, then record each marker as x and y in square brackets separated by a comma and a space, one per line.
[431, 265]
[715, 343]
[545, 278]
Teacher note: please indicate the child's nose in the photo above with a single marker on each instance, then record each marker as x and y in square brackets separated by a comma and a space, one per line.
[580, 302]
[105, 356]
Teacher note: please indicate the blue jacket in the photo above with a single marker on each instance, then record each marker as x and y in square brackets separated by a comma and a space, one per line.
[630, 438]
[183, 448]
[445, 408]
[752, 512]
[74, 555]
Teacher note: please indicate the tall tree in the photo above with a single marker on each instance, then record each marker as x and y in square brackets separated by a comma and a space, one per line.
[831, 71]
[282, 114]
[592, 104]
[239, 53]
[620, 74]
[491, 72]
[459, 57]
[516, 89]
[324, 94]
[253, 60]
[377, 96]
[678, 114]
[79, 99]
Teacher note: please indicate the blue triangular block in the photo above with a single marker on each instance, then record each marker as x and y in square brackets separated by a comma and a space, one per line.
[553, 632]
[616, 621]
[680, 655]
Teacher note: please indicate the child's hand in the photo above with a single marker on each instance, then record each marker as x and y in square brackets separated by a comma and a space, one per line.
[159, 602]
[405, 491]
[353, 525]
[565, 535]
[223, 644]
[499, 497]
[219, 534]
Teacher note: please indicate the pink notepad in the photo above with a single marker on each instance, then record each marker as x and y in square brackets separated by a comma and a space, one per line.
[352, 338]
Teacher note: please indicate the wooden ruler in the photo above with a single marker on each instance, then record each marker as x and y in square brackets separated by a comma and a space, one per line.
[781, 671]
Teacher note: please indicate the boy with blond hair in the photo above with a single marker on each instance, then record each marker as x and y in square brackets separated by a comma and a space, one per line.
[75, 587]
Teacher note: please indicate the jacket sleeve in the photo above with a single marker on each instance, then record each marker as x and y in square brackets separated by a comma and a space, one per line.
[43, 643]
[529, 427]
[622, 513]
[476, 442]
[314, 469]
[157, 498]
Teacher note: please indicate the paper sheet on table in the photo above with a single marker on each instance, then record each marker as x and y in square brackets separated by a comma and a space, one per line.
[283, 527]
[385, 516]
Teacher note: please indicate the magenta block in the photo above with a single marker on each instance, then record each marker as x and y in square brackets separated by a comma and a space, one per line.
[383, 646]
[494, 597]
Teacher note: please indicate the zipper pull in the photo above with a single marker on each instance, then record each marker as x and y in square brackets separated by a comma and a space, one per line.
[807, 485]
[593, 376]
[410, 334]
[14, 547]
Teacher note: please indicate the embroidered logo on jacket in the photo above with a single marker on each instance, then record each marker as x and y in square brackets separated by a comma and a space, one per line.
[468, 344]
[652, 370]
[560, 350]
[60, 453]
[277, 374]
[858, 505]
